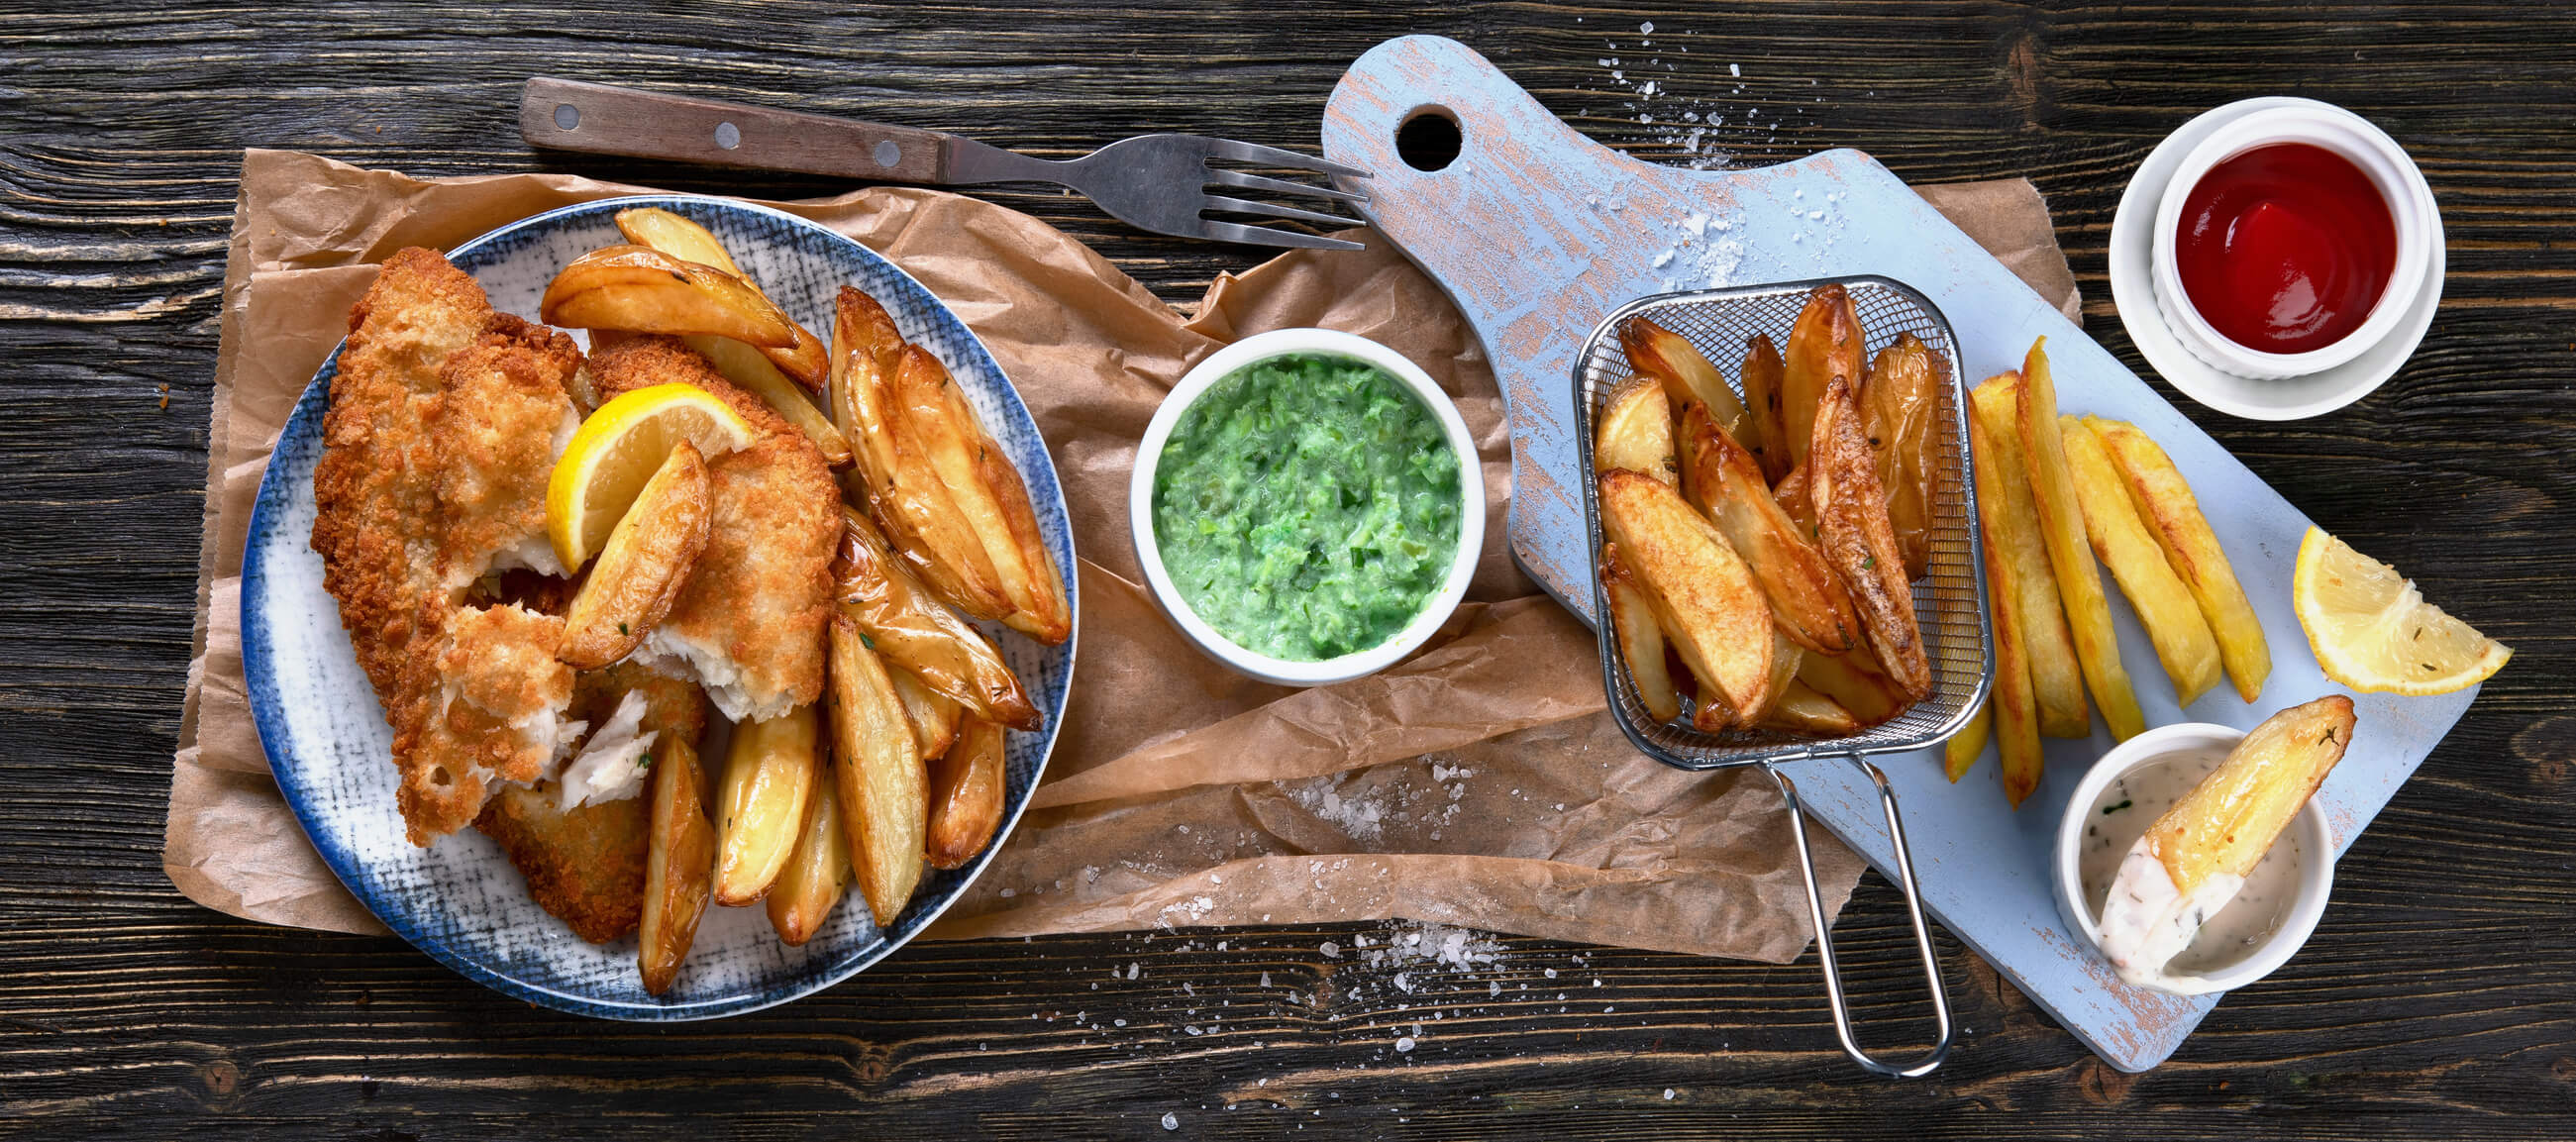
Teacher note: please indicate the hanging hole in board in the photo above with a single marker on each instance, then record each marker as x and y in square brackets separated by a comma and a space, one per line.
[1429, 140]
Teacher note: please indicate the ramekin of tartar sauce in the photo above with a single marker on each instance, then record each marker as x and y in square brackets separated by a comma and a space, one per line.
[2124, 793]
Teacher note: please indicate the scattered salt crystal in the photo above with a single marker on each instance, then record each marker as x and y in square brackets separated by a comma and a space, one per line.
[1668, 1094]
[1697, 224]
[1331, 950]
[1814, 215]
[1265, 979]
[1193, 1029]
[1133, 968]
[1734, 69]
[1663, 259]
[1403, 1043]
[1117, 1022]
[1551, 973]
[1171, 1121]
[1646, 29]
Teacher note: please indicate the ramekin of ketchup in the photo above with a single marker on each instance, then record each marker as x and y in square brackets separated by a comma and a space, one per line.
[2290, 242]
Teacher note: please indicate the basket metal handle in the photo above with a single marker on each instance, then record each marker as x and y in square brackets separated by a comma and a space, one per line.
[1825, 936]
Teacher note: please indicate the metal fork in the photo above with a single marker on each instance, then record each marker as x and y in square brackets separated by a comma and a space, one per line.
[1155, 182]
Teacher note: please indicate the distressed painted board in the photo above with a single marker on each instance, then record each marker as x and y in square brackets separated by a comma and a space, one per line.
[1537, 232]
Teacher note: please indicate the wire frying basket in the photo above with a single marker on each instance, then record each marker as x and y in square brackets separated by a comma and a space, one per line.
[1949, 601]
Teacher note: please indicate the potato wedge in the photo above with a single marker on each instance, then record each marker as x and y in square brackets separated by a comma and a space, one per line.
[920, 636]
[1670, 358]
[1899, 405]
[761, 804]
[884, 801]
[1641, 637]
[986, 491]
[679, 868]
[1825, 342]
[1712, 610]
[934, 716]
[889, 471]
[1959, 754]
[1724, 480]
[677, 236]
[2026, 585]
[1052, 622]
[1853, 531]
[2011, 701]
[660, 229]
[966, 789]
[1855, 683]
[1803, 710]
[1761, 374]
[2163, 605]
[2070, 554]
[1791, 494]
[640, 571]
[753, 373]
[817, 874]
[2165, 503]
[642, 290]
[2228, 821]
[1635, 431]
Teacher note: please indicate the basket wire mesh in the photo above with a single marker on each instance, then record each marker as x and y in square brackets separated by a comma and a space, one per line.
[1949, 600]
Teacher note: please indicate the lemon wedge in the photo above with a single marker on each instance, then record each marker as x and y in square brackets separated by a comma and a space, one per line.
[2371, 630]
[619, 448]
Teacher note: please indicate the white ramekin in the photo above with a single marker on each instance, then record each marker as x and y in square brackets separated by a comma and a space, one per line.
[2410, 207]
[1285, 343]
[2316, 856]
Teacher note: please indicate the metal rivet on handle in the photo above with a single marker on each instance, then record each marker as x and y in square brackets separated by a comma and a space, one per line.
[567, 116]
[888, 154]
[728, 136]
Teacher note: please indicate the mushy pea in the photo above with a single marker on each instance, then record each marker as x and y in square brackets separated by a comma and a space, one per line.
[1306, 506]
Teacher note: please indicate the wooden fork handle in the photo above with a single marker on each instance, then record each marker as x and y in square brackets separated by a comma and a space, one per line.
[601, 119]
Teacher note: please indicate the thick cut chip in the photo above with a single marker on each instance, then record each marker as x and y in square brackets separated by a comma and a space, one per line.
[1803, 710]
[2061, 526]
[2027, 586]
[2171, 513]
[2164, 606]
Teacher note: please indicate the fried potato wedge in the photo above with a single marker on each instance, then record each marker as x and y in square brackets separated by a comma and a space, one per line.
[917, 634]
[641, 569]
[642, 290]
[1898, 406]
[2165, 504]
[1853, 531]
[1724, 480]
[1641, 637]
[1804, 710]
[1959, 754]
[1791, 494]
[966, 789]
[985, 490]
[2163, 605]
[1762, 377]
[762, 802]
[2228, 821]
[934, 716]
[662, 230]
[2027, 586]
[1855, 683]
[817, 874]
[1670, 358]
[679, 868]
[1635, 431]
[885, 803]
[754, 373]
[1825, 343]
[1712, 610]
[2070, 554]
[889, 471]
[677, 236]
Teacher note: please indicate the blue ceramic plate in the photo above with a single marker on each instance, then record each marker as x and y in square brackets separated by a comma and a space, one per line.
[459, 899]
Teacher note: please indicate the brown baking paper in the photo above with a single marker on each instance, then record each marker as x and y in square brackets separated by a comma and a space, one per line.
[1478, 783]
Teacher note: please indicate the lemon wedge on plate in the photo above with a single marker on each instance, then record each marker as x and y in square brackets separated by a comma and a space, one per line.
[2371, 630]
[619, 448]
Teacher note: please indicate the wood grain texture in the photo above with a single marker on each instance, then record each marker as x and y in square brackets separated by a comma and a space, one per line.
[2437, 1000]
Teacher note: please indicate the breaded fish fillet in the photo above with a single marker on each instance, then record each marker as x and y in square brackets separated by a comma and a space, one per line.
[750, 621]
[586, 866]
[445, 420]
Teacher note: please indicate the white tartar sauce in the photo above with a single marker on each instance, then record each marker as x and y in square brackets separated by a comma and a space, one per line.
[2150, 930]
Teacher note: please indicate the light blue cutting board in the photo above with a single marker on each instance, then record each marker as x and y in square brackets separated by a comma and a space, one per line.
[1536, 232]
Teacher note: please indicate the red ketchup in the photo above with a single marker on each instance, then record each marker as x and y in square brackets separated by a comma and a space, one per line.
[2285, 248]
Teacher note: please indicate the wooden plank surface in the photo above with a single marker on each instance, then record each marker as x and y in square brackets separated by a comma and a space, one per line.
[2438, 999]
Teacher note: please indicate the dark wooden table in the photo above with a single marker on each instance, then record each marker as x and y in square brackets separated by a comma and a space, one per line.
[2438, 1000]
